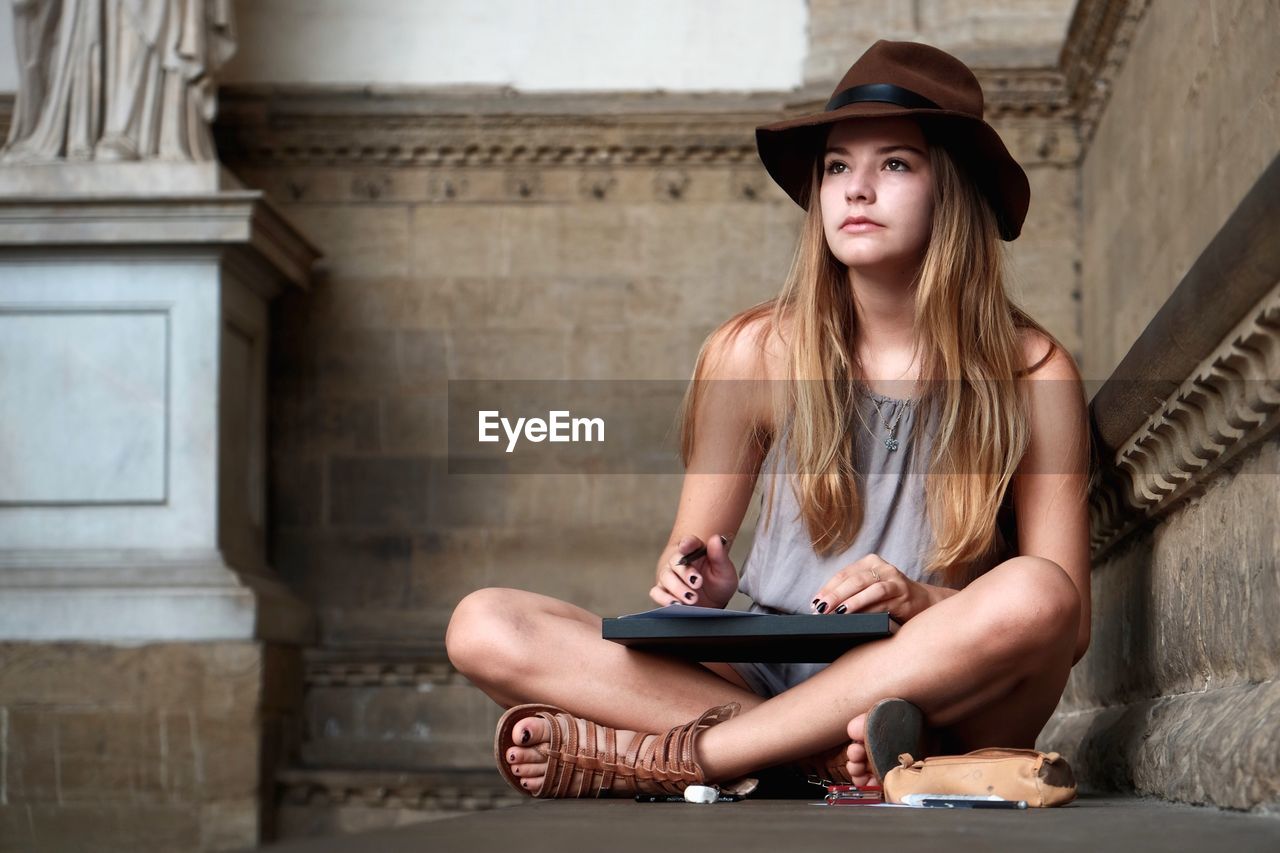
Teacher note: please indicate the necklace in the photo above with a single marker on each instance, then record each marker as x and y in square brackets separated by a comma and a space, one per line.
[891, 442]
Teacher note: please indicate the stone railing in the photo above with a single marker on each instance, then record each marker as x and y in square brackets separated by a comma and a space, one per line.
[1164, 435]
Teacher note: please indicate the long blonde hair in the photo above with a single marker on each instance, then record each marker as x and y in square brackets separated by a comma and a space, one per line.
[967, 335]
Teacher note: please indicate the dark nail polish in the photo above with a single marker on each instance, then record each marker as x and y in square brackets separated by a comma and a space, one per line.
[822, 608]
[673, 601]
[688, 596]
[524, 738]
[693, 578]
[841, 609]
[815, 602]
[512, 758]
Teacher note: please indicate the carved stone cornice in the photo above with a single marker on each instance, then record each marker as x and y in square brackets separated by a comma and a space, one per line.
[1095, 50]
[245, 220]
[261, 130]
[1042, 112]
[298, 127]
[1229, 403]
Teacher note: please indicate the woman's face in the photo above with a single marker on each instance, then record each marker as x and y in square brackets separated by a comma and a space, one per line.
[878, 169]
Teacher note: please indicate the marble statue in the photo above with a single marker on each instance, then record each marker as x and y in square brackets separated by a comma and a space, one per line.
[117, 79]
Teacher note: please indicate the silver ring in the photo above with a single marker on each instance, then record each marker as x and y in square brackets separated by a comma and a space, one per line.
[875, 574]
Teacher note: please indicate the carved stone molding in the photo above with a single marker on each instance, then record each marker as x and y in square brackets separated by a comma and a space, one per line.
[1043, 113]
[444, 790]
[1229, 403]
[333, 670]
[298, 128]
[1094, 52]
[272, 130]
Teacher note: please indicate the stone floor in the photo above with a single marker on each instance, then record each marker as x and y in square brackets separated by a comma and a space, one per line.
[1090, 824]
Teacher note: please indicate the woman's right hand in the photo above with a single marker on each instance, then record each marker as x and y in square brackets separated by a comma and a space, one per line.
[709, 581]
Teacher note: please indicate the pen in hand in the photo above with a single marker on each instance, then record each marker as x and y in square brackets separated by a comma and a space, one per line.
[696, 554]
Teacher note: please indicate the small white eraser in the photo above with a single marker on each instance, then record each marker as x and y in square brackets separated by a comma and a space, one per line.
[700, 794]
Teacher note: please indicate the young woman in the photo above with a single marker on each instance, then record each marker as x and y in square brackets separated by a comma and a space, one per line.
[932, 456]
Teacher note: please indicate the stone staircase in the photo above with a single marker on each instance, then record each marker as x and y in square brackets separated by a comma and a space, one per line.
[389, 739]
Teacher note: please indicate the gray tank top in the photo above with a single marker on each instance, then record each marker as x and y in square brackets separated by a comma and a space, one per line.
[783, 573]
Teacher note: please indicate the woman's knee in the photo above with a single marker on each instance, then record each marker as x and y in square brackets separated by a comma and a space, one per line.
[1033, 603]
[480, 635]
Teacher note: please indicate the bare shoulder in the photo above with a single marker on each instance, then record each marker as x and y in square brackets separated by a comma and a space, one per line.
[748, 350]
[1058, 409]
[1044, 359]
[744, 347]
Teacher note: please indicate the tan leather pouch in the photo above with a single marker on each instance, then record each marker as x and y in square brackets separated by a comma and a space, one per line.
[1013, 774]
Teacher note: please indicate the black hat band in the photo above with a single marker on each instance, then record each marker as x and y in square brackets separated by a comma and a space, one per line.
[885, 92]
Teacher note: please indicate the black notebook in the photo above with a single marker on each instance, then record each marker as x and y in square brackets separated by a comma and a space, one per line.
[733, 636]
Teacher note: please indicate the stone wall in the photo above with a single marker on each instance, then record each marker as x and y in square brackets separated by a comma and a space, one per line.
[502, 270]
[528, 238]
[984, 33]
[1193, 119]
[1178, 694]
[155, 747]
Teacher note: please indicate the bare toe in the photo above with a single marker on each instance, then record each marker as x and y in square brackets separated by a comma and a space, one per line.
[529, 771]
[856, 752]
[529, 761]
[524, 755]
[530, 731]
[860, 775]
[858, 728]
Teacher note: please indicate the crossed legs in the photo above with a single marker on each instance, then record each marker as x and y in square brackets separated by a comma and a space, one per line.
[519, 647]
[987, 664]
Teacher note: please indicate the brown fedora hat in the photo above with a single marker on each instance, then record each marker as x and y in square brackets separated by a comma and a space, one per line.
[904, 78]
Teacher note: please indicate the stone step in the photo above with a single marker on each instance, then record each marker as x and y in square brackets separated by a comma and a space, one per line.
[394, 713]
[328, 801]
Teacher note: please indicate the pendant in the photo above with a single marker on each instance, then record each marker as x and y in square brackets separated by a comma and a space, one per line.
[891, 443]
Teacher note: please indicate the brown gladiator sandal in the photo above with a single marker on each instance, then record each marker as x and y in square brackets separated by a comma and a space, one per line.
[668, 765]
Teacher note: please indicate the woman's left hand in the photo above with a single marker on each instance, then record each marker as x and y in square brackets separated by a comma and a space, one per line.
[871, 584]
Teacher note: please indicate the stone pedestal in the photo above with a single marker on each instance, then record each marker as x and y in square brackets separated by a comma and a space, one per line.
[133, 381]
[151, 678]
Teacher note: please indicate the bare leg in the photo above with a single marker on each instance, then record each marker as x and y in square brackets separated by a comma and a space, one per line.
[519, 647]
[989, 662]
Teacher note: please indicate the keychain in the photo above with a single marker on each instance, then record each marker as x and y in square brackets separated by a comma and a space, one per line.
[852, 795]
[840, 794]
